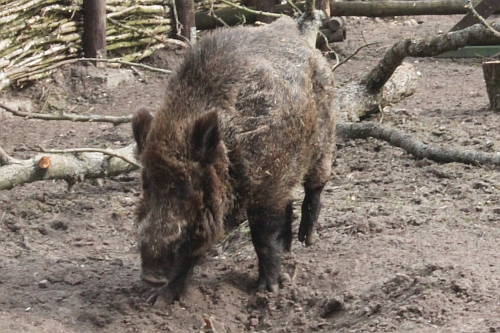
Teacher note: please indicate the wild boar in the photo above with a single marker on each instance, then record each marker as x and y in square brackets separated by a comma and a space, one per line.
[247, 117]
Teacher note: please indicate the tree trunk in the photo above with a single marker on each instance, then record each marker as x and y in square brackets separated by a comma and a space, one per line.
[491, 71]
[185, 14]
[94, 29]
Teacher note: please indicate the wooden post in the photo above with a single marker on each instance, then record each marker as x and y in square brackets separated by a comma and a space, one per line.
[94, 29]
[185, 15]
[491, 72]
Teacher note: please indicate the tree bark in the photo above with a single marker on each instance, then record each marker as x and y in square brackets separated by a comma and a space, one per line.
[94, 28]
[68, 167]
[491, 71]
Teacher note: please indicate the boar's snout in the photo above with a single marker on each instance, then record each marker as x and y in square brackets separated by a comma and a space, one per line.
[155, 276]
[160, 264]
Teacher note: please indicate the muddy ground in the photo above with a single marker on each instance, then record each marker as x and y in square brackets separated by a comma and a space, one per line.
[404, 245]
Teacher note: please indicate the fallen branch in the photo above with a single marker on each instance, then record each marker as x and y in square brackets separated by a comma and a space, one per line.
[359, 98]
[410, 47]
[414, 146]
[69, 167]
[91, 150]
[71, 117]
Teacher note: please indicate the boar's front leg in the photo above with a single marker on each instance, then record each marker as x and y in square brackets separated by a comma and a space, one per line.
[176, 287]
[271, 232]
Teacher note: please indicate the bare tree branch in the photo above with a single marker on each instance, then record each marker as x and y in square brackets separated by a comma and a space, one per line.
[410, 47]
[414, 146]
[69, 167]
[481, 19]
[64, 116]
[91, 150]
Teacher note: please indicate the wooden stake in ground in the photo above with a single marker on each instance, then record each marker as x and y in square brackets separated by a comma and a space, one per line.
[185, 15]
[94, 28]
[491, 71]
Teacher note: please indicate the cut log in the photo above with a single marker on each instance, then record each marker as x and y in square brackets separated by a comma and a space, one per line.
[336, 23]
[69, 167]
[491, 71]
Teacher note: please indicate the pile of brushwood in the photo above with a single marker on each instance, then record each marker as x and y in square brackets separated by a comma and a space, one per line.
[38, 34]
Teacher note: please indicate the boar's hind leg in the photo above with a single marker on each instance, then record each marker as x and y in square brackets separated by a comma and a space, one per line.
[314, 182]
[270, 234]
[176, 287]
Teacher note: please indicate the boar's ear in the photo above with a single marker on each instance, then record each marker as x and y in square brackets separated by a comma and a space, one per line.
[206, 137]
[141, 123]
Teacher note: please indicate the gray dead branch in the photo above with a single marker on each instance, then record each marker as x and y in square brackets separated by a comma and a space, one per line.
[414, 146]
[71, 167]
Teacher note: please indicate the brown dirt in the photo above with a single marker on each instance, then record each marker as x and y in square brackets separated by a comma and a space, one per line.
[404, 245]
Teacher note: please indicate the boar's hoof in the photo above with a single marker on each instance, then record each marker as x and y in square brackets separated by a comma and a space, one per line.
[308, 237]
[162, 298]
[262, 288]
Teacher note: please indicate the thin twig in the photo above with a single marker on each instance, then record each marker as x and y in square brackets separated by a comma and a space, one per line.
[481, 19]
[64, 116]
[220, 20]
[147, 33]
[89, 150]
[352, 55]
[153, 69]
[294, 6]
[256, 12]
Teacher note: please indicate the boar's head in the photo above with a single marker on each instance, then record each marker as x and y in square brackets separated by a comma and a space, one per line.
[184, 191]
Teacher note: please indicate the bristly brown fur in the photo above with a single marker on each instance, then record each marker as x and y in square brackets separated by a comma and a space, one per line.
[247, 117]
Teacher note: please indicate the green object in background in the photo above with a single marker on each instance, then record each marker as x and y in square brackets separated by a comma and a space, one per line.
[473, 52]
